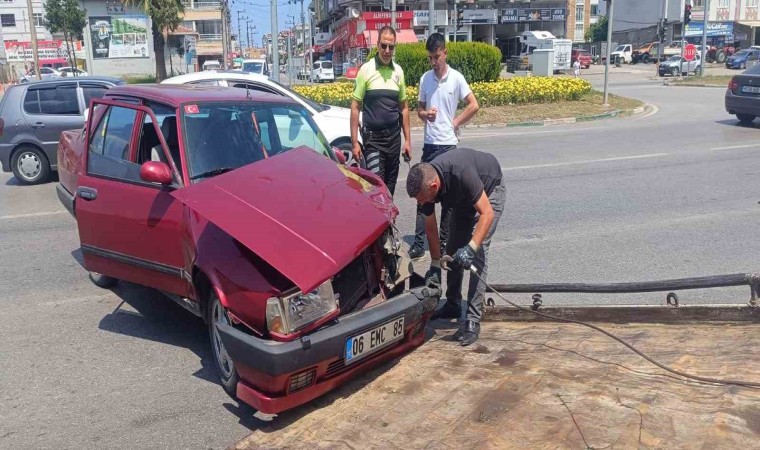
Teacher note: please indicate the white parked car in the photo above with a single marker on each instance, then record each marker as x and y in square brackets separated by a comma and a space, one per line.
[71, 72]
[258, 66]
[322, 71]
[46, 73]
[333, 121]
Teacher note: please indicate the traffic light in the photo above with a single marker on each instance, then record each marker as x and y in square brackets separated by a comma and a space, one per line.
[459, 16]
[686, 14]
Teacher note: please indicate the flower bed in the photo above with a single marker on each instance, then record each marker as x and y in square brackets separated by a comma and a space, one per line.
[517, 90]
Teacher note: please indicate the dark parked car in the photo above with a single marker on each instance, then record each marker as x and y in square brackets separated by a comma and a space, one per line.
[743, 59]
[32, 117]
[234, 205]
[743, 95]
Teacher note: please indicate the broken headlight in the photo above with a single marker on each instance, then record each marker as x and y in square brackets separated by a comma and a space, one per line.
[295, 311]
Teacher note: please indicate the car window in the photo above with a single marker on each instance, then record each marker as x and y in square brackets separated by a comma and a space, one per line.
[57, 100]
[754, 70]
[253, 66]
[224, 136]
[316, 65]
[251, 86]
[150, 146]
[326, 65]
[109, 146]
[91, 91]
[205, 82]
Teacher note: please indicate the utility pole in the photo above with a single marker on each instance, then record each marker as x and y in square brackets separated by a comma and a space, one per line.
[33, 29]
[275, 44]
[393, 15]
[224, 34]
[609, 48]
[248, 31]
[290, 50]
[431, 17]
[303, 41]
[703, 53]
[240, 33]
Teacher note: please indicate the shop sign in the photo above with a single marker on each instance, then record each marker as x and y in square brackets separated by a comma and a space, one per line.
[512, 15]
[479, 16]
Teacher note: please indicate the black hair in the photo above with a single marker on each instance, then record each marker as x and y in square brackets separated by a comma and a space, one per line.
[435, 42]
[386, 29]
[419, 176]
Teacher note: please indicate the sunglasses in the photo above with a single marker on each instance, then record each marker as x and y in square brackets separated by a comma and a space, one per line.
[387, 46]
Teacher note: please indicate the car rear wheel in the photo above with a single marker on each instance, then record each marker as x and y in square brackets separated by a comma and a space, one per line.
[227, 373]
[745, 119]
[674, 71]
[30, 165]
[102, 281]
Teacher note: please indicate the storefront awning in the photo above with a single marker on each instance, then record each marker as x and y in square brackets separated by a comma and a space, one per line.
[750, 23]
[330, 43]
[370, 38]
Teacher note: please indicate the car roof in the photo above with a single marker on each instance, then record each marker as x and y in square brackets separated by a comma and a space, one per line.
[217, 75]
[112, 80]
[176, 94]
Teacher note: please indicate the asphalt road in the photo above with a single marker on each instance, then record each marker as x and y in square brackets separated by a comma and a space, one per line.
[671, 194]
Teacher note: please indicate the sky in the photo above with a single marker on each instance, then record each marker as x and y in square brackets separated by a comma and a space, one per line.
[259, 12]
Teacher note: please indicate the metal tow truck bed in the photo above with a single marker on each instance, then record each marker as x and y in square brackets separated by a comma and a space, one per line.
[542, 385]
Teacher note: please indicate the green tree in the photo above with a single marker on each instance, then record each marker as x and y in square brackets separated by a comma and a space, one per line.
[165, 15]
[65, 16]
[598, 31]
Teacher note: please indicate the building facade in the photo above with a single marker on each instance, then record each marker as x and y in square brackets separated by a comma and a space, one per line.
[15, 23]
[348, 24]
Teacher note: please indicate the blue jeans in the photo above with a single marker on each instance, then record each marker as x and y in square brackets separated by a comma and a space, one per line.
[430, 151]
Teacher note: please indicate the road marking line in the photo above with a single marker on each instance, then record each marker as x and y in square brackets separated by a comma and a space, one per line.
[40, 214]
[732, 147]
[588, 161]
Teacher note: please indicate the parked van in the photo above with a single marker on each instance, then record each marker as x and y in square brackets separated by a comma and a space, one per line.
[257, 66]
[535, 40]
[322, 71]
[211, 65]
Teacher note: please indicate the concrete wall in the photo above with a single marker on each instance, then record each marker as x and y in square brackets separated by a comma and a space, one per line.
[117, 67]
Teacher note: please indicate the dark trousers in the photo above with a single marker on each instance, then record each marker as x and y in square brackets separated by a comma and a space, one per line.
[462, 227]
[382, 151]
[430, 151]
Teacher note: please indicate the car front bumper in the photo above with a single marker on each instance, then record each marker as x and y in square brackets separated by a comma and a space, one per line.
[741, 104]
[268, 369]
[5, 156]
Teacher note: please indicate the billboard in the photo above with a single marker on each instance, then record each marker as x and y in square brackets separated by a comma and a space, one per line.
[511, 15]
[22, 51]
[119, 37]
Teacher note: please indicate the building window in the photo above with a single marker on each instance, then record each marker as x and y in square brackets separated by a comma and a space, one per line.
[8, 20]
[723, 4]
[579, 32]
[697, 3]
[594, 10]
[186, 24]
[579, 9]
[38, 20]
[752, 3]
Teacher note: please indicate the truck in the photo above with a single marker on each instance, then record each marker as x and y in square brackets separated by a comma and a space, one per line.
[535, 40]
[624, 52]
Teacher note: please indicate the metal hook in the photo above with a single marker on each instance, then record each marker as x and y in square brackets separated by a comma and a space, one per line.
[536, 302]
[672, 299]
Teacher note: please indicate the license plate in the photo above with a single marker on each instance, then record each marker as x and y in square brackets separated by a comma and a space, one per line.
[369, 342]
[751, 89]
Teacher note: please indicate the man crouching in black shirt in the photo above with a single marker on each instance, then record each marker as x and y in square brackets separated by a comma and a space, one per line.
[468, 182]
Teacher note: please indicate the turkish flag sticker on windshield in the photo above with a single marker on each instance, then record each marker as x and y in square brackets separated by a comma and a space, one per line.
[192, 109]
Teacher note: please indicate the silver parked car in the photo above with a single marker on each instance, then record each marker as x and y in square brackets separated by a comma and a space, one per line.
[677, 65]
[32, 117]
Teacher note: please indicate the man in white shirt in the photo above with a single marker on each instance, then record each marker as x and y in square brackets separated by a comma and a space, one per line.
[441, 91]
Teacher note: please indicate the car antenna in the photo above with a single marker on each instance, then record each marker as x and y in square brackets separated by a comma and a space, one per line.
[247, 92]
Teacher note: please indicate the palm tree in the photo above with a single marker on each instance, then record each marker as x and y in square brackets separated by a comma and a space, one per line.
[165, 15]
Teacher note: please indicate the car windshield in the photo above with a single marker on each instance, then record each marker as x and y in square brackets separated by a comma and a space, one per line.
[675, 58]
[742, 52]
[220, 137]
[316, 106]
[255, 67]
[326, 65]
[754, 70]
[620, 48]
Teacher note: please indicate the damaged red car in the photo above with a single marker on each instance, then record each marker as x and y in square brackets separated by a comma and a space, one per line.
[233, 204]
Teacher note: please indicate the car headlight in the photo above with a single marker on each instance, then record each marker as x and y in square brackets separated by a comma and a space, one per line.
[295, 311]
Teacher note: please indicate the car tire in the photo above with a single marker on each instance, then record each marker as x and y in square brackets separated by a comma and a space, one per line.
[720, 56]
[102, 281]
[30, 165]
[225, 367]
[674, 71]
[742, 66]
[745, 119]
[348, 152]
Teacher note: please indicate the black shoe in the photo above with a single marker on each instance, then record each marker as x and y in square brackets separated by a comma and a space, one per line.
[449, 311]
[471, 332]
[416, 251]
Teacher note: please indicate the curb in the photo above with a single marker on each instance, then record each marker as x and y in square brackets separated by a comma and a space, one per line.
[564, 121]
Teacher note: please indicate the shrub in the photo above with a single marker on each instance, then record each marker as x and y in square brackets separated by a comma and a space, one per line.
[515, 90]
[139, 79]
[476, 60]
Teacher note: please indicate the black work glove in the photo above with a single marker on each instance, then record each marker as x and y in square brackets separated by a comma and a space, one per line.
[464, 257]
[433, 277]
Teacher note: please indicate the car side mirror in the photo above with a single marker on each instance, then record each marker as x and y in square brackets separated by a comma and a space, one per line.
[156, 172]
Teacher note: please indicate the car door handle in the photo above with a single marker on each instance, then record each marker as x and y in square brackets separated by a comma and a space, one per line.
[87, 193]
[38, 125]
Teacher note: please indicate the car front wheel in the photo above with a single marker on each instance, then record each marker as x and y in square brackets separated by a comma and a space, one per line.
[745, 119]
[30, 165]
[227, 373]
[674, 71]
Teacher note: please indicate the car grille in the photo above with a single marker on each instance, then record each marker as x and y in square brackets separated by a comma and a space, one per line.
[301, 381]
[335, 368]
[357, 282]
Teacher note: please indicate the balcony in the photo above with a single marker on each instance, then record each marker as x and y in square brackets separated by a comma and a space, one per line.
[209, 37]
[201, 4]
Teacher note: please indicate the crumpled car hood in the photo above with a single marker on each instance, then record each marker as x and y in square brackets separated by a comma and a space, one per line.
[301, 212]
